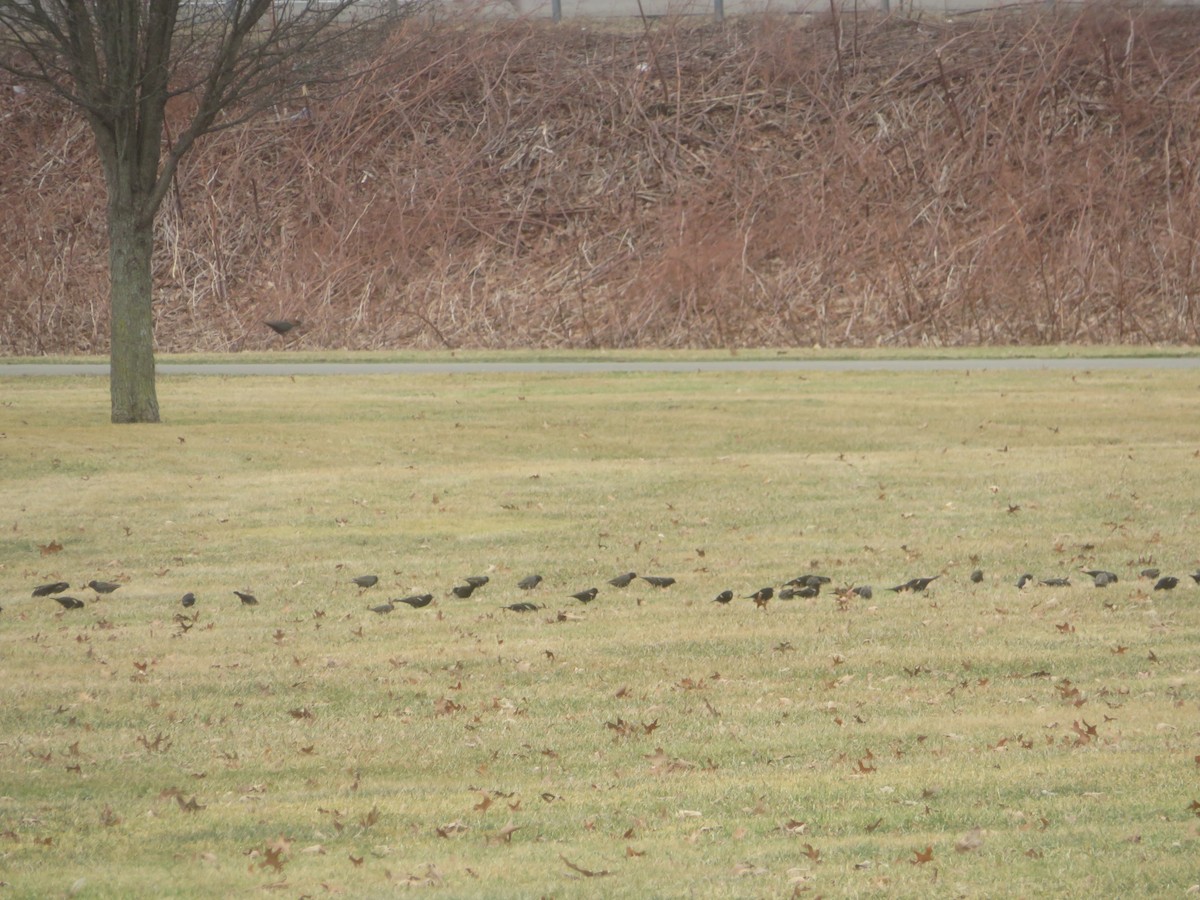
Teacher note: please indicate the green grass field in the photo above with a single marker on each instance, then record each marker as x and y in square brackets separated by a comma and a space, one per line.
[974, 740]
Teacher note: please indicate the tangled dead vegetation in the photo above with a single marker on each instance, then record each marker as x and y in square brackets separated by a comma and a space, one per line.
[1025, 177]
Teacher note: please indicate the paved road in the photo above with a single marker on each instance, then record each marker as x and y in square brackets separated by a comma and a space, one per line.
[533, 367]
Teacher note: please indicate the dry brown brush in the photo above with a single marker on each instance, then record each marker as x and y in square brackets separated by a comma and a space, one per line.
[1026, 177]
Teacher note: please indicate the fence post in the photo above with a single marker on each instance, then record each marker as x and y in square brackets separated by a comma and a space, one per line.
[556, 10]
[719, 10]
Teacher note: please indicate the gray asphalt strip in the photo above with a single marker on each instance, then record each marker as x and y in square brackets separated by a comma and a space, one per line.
[533, 367]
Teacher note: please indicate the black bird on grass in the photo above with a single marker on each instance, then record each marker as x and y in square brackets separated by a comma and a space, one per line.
[977, 576]
[622, 581]
[523, 606]
[1166, 583]
[69, 602]
[586, 596]
[864, 591]
[476, 581]
[366, 581]
[809, 581]
[806, 592]
[1149, 573]
[761, 596]
[1195, 576]
[1024, 580]
[103, 587]
[188, 599]
[247, 599]
[723, 597]
[382, 608]
[1055, 582]
[462, 591]
[916, 585]
[282, 326]
[1101, 577]
[416, 601]
[659, 581]
[529, 582]
[45, 590]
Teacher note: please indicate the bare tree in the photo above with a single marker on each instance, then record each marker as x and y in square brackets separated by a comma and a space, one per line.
[121, 61]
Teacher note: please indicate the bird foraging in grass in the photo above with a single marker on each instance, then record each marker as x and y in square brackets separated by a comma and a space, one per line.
[45, 590]
[977, 576]
[69, 602]
[103, 587]
[529, 582]
[476, 581]
[1166, 583]
[916, 585]
[282, 326]
[523, 606]
[462, 591]
[623, 581]
[723, 597]
[586, 596]
[366, 581]
[246, 598]
[188, 599]
[761, 597]
[659, 581]
[416, 601]
[382, 608]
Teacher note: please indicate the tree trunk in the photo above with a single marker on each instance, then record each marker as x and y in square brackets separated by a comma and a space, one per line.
[130, 252]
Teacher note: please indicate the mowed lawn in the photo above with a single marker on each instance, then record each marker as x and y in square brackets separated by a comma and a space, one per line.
[973, 740]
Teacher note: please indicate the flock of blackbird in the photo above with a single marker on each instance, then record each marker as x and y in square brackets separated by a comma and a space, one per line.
[803, 586]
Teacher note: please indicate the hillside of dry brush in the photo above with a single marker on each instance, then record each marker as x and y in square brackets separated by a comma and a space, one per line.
[1027, 177]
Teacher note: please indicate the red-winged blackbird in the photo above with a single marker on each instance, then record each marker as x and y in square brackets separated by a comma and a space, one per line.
[659, 581]
[476, 581]
[463, 591]
[723, 597]
[809, 581]
[103, 587]
[586, 596]
[366, 581]
[416, 601]
[1166, 583]
[623, 580]
[916, 585]
[69, 602]
[524, 606]
[281, 326]
[188, 599]
[806, 591]
[45, 590]
[247, 599]
[529, 582]
[1055, 582]
[382, 608]
[977, 576]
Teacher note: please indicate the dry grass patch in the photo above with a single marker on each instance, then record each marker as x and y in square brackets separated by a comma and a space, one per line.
[1022, 176]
